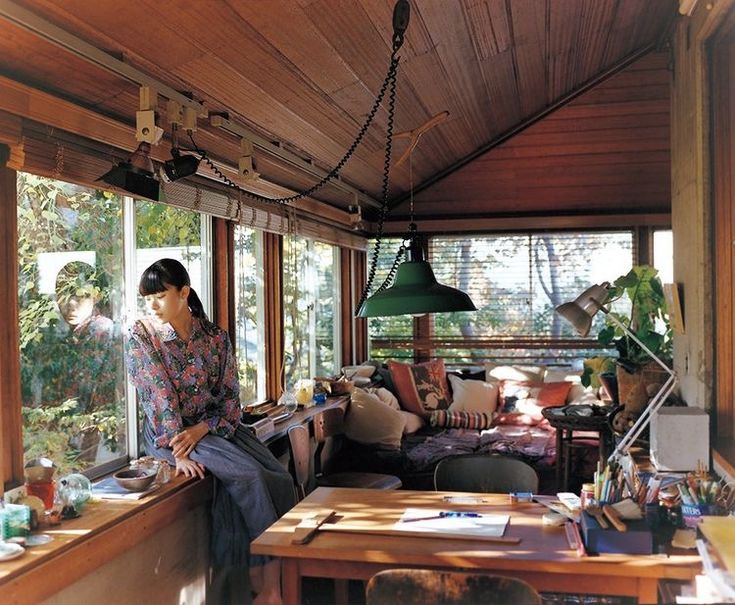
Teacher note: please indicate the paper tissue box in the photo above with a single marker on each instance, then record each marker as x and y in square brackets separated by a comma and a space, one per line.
[636, 540]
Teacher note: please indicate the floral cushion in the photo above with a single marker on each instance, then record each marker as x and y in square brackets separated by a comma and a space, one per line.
[422, 387]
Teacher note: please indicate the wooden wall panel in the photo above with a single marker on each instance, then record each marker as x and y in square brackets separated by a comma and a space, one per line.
[606, 151]
[274, 337]
[224, 275]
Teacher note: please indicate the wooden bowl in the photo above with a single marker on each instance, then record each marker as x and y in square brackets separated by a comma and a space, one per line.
[135, 479]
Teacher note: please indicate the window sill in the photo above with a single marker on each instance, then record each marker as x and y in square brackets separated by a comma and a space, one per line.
[106, 529]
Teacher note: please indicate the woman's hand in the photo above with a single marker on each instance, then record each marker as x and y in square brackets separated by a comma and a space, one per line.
[187, 467]
[184, 443]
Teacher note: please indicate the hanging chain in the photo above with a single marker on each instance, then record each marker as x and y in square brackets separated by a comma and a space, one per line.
[332, 174]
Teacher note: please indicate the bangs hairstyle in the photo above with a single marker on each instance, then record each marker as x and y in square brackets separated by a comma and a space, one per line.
[159, 275]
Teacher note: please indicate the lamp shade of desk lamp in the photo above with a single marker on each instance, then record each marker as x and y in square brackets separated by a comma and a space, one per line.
[579, 314]
[415, 291]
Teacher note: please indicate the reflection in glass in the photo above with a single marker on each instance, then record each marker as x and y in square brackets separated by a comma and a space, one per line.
[69, 295]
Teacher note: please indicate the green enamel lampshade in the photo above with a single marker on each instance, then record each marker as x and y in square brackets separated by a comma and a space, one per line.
[415, 291]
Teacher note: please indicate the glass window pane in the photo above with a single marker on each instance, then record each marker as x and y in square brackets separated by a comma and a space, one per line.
[166, 232]
[398, 326]
[249, 337]
[310, 306]
[70, 310]
[325, 260]
[663, 255]
[516, 281]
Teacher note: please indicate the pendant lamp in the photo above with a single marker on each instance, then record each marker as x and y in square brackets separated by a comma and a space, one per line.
[415, 290]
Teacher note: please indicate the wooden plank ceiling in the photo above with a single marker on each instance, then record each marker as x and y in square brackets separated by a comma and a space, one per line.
[304, 73]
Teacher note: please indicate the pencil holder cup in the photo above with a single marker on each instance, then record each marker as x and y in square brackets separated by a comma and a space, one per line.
[692, 514]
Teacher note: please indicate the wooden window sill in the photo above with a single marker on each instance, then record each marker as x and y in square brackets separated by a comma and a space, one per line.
[105, 530]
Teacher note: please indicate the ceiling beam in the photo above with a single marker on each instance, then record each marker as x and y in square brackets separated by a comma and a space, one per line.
[29, 21]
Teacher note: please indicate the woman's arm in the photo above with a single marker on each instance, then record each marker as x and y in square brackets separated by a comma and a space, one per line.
[148, 373]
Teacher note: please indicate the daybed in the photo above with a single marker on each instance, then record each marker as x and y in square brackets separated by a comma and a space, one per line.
[417, 414]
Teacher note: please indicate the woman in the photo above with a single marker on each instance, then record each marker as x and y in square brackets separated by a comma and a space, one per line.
[185, 374]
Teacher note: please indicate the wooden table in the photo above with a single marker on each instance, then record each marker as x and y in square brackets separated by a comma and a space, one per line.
[542, 558]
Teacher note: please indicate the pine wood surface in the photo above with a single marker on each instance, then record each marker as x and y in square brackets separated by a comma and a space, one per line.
[104, 530]
[542, 557]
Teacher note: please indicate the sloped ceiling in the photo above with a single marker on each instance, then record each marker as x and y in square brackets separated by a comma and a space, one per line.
[304, 73]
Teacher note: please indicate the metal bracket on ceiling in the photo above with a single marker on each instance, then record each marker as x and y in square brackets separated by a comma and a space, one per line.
[245, 163]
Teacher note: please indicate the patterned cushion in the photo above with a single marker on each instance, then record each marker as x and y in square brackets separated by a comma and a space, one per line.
[422, 387]
[460, 420]
[521, 403]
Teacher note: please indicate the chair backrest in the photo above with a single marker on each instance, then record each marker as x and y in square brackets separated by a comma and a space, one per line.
[300, 450]
[484, 473]
[424, 586]
[328, 431]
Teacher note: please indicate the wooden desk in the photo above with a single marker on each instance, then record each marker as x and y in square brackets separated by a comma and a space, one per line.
[543, 557]
[303, 416]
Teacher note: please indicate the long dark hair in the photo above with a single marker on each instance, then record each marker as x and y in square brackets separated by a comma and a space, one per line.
[170, 272]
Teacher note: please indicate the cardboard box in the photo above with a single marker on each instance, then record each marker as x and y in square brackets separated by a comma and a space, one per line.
[637, 540]
[680, 439]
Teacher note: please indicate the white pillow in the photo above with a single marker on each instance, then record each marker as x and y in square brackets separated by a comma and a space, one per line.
[519, 373]
[414, 422]
[473, 395]
[371, 422]
[579, 394]
[561, 375]
[386, 397]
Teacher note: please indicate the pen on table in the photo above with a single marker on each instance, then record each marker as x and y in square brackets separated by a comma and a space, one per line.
[445, 515]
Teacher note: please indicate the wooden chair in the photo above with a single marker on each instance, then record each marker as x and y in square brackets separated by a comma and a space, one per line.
[327, 424]
[431, 587]
[484, 473]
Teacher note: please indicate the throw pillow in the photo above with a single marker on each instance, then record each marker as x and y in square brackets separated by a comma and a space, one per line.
[413, 422]
[514, 372]
[370, 421]
[460, 420]
[521, 403]
[473, 395]
[386, 397]
[422, 387]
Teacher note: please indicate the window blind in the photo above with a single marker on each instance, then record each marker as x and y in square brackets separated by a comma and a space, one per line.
[516, 280]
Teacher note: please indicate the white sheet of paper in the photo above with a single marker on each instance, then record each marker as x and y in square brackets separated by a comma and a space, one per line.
[485, 525]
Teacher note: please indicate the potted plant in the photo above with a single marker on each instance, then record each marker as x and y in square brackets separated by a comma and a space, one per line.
[648, 319]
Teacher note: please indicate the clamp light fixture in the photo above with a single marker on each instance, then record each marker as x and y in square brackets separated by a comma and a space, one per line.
[579, 313]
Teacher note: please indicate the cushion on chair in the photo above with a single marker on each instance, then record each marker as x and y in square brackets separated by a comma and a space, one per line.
[422, 387]
[370, 421]
[473, 395]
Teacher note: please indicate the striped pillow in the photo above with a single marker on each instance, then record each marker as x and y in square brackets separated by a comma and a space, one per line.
[460, 420]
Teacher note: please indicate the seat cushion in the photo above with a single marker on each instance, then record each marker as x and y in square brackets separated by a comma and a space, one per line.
[361, 480]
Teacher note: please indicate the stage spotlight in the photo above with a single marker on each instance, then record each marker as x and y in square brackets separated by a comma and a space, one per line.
[136, 176]
[179, 166]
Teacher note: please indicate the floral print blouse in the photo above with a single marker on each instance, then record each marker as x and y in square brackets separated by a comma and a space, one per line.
[183, 383]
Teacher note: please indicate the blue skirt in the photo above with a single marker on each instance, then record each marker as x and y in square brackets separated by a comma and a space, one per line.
[252, 491]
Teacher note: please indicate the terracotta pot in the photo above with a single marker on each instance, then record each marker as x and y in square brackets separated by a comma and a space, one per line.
[636, 389]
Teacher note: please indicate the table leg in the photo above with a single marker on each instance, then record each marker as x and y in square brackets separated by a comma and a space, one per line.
[291, 581]
[559, 458]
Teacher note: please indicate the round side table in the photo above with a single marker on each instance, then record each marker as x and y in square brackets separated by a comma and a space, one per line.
[567, 419]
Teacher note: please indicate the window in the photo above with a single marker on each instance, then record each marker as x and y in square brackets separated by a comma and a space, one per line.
[397, 327]
[166, 232]
[249, 301]
[663, 254]
[516, 281]
[70, 277]
[311, 311]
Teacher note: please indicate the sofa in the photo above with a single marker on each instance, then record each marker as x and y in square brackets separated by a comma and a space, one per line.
[413, 415]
